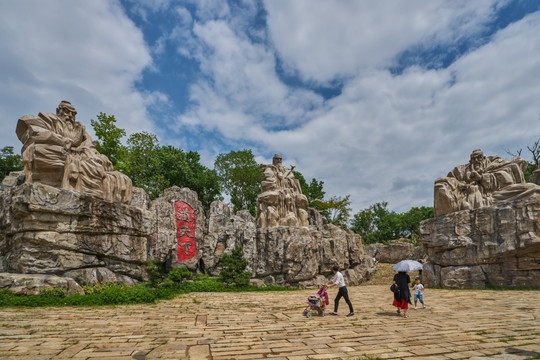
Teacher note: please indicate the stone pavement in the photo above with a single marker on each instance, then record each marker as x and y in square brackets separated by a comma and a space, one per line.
[456, 325]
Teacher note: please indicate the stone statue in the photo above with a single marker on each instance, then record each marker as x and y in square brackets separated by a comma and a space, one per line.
[480, 182]
[281, 202]
[57, 151]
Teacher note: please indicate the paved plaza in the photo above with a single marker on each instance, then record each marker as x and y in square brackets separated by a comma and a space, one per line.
[457, 324]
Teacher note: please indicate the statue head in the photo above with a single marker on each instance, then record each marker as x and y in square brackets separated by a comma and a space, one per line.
[66, 111]
[276, 160]
[477, 159]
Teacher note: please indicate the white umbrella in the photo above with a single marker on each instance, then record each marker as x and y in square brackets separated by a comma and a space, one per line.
[407, 265]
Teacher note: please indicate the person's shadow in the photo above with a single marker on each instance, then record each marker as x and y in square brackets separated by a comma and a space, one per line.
[387, 313]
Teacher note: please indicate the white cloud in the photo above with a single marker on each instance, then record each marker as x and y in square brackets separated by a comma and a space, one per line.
[388, 137]
[87, 52]
[321, 40]
[385, 137]
[240, 94]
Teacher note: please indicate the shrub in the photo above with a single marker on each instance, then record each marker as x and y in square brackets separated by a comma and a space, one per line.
[55, 291]
[233, 269]
[156, 271]
[179, 274]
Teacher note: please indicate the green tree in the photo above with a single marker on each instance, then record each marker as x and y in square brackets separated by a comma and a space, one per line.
[336, 210]
[109, 138]
[233, 268]
[410, 220]
[313, 191]
[142, 164]
[240, 176]
[9, 161]
[185, 170]
[377, 224]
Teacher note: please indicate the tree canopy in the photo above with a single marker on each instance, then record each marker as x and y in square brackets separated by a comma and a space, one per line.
[240, 176]
[9, 161]
[377, 224]
[109, 137]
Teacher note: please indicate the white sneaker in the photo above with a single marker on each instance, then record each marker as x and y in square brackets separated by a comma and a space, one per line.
[415, 308]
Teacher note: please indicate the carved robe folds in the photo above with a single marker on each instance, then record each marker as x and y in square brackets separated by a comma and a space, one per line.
[478, 184]
[281, 202]
[61, 153]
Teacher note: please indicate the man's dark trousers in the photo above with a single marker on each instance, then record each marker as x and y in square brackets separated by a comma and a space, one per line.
[342, 292]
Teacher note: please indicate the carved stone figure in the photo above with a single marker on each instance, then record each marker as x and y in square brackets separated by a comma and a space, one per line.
[479, 183]
[281, 202]
[57, 151]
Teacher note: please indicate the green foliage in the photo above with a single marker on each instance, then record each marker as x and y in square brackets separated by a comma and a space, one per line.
[9, 162]
[313, 191]
[55, 291]
[142, 164]
[377, 224]
[336, 210]
[240, 177]
[233, 268]
[185, 170]
[109, 138]
[153, 167]
[179, 274]
[156, 272]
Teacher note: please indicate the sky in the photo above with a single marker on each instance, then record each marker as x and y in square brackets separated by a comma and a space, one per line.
[376, 99]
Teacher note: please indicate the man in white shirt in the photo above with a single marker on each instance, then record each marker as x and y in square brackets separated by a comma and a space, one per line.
[338, 281]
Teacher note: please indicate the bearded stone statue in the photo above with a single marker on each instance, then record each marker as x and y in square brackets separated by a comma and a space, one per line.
[281, 202]
[57, 151]
[481, 182]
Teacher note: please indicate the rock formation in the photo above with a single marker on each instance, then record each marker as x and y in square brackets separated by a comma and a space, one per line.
[394, 252]
[281, 202]
[69, 219]
[297, 255]
[492, 235]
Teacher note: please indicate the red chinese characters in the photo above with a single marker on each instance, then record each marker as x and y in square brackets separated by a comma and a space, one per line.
[185, 230]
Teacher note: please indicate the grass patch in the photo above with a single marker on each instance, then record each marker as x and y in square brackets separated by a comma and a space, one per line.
[121, 294]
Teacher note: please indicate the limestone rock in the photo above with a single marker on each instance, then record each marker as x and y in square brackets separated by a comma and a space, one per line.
[394, 252]
[31, 284]
[497, 245]
[179, 228]
[298, 256]
[47, 230]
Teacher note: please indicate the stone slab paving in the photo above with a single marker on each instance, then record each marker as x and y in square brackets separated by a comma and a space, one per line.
[456, 325]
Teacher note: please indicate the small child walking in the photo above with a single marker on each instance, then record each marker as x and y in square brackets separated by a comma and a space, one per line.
[418, 293]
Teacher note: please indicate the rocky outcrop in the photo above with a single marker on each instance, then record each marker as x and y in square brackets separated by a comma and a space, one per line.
[394, 252]
[489, 246]
[71, 216]
[51, 231]
[300, 256]
[487, 226]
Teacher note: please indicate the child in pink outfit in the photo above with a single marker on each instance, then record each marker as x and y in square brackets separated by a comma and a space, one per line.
[323, 294]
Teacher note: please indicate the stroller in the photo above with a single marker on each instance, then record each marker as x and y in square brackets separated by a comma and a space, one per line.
[317, 303]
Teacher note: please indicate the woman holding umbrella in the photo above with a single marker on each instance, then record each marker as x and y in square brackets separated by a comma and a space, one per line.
[402, 297]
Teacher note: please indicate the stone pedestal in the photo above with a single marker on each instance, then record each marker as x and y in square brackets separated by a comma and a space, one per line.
[495, 246]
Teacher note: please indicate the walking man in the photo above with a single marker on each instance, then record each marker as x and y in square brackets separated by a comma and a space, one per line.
[338, 281]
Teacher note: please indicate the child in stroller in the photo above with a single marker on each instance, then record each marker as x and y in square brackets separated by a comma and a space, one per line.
[317, 302]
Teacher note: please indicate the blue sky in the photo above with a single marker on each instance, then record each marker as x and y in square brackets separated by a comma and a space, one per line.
[375, 98]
